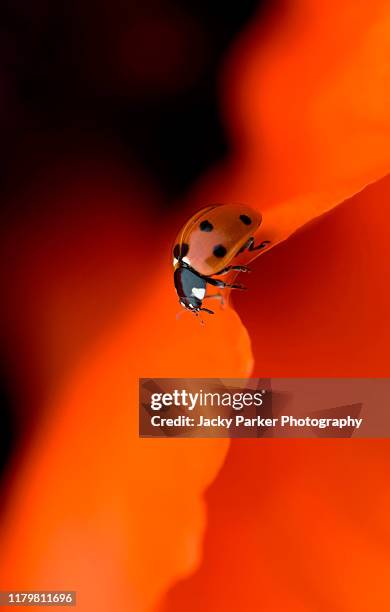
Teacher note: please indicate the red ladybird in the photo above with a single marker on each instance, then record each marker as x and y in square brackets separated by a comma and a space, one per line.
[206, 245]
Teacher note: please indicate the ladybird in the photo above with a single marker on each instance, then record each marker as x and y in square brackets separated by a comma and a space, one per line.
[205, 248]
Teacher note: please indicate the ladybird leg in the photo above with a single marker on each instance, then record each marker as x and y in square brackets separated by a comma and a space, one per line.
[207, 310]
[219, 283]
[216, 296]
[250, 245]
[231, 268]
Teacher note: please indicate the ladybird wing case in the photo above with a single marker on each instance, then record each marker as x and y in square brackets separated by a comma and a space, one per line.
[181, 243]
[215, 234]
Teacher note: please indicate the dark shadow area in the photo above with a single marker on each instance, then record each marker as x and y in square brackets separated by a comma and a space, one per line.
[141, 78]
[136, 83]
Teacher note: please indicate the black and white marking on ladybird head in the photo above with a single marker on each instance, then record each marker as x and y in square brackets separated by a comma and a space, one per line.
[179, 253]
[219, 250]
[191, 289]
[206, 226]
[191, 286]
[246, 220]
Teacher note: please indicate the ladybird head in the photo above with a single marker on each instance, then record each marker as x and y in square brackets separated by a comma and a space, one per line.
[196, 308]
[190, 288]
[191, 303]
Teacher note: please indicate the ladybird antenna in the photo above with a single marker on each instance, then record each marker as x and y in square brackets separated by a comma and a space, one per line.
[207, 310]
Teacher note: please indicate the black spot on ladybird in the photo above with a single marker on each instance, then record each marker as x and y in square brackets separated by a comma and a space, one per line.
[180, 250]
[184, 249]
[206, 226]
[245, 219]
[219, 250]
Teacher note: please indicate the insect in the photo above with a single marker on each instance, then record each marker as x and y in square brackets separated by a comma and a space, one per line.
[205, 248]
